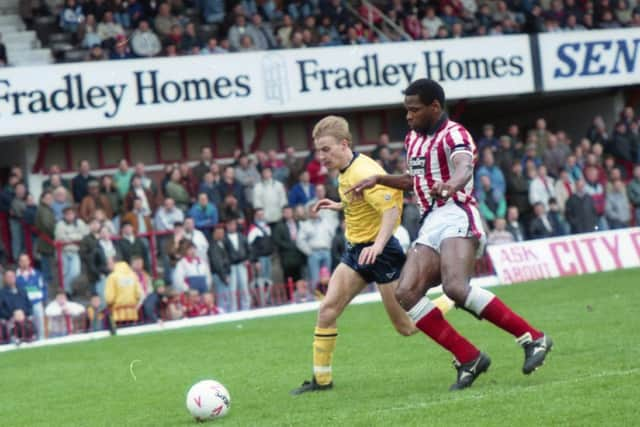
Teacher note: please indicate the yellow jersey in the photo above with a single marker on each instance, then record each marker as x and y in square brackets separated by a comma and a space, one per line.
[363, 216]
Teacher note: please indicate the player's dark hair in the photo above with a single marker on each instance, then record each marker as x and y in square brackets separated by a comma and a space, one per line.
[427, 90]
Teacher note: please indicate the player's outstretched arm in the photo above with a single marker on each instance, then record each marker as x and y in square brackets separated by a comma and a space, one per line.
[463, 171]
[401, 182]
[327, 204]
[389, 221]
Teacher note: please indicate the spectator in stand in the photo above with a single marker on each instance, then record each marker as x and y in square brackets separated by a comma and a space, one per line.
[122, 293]
[542, 188]
[109, 30]
[247, 175]
[96, 8]
[230, 186]
[147, 183]
[488, 139]
[135, 13]
[175, 36]
[489, 168]
[212, 47]
[491, 201]
[104, 221]
[431, 22]
[144, 42]
[261, 248]
[513, 224]
[154, 304]
[213, 11]
[209, 187]
[87, 250]
[31, 282]
[177, 191]
[88, 32]
[130, 246]
[69, 231]
[633, 192]
[140, 219]
[540, 226]
[146, 198]
[237, 248]
[122, 178]
[230, 209]
[60, 202]
[220, 268]
[581, 211]
[239, 29]
[621, 142]
[505, 155]
[597, 133]
[270, 196]
[558, 222]
[16, 219]
[499, 234]
[554, 157]
[314, 240]
[71, 17]
[190, 39]
[199, 238]
[317, 171]
[164, 21]
[596, 190]
[60, 315]
[93, 201]
[109, 190]
[54, 170]
[191, 272]
[541, 136]
[15, 307]
[278, 167]
[564, 188]
[263, 34]
[574, 170]
[204, 214]
[284, 32]
[80, 183]
[617, 208]
[46, 225]
[302, 192]
[530, 154]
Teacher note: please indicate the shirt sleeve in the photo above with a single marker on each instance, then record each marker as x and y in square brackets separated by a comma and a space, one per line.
[459, 140]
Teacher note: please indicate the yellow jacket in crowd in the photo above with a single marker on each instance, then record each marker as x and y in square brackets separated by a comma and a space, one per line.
[123, 293]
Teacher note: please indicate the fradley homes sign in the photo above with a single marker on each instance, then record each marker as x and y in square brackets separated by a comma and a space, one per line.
[587, 59]
[111, 94]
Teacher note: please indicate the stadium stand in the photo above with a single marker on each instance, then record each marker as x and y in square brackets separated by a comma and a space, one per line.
[72, 31]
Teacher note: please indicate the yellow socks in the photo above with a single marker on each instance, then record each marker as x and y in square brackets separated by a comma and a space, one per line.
[324, 343]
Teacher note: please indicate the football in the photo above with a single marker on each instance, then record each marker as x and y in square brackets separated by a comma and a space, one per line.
[207, 400]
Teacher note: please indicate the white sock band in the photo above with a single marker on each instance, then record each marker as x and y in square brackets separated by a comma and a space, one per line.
[478, 299]
[421, 309]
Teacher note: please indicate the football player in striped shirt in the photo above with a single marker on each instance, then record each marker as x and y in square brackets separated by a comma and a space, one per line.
[441, 156]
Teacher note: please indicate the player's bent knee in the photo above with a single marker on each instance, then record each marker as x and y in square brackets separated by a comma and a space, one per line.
[456, 290]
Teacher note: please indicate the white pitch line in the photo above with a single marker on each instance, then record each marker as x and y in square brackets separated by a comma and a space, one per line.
[513, 391]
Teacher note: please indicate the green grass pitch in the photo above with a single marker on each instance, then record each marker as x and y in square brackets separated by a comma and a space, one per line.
[591, 378]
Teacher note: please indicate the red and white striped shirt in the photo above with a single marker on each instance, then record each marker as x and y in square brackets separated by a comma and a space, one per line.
[430, 159]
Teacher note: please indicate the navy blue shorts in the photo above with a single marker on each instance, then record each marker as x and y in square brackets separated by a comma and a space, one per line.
[387, 266]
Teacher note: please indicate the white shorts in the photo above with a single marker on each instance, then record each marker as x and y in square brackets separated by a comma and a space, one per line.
[451, 220]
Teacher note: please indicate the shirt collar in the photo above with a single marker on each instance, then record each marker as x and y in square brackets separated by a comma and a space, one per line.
[355, 155]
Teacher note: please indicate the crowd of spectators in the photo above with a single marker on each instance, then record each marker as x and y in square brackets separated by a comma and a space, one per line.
[217, 229]
[116, 29]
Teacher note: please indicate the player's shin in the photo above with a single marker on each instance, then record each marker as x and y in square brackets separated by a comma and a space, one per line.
[324, 344]
[486, 305]
[429, 319]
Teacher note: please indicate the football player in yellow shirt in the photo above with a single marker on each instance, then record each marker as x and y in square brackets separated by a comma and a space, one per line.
[372, 253]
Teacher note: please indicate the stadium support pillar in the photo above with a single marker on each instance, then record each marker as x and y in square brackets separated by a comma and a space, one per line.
[248, 133]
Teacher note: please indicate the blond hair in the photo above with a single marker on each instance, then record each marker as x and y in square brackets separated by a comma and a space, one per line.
[334, 126]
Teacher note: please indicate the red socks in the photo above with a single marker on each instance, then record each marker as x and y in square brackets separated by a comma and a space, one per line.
[503, 317]
[435, 326]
